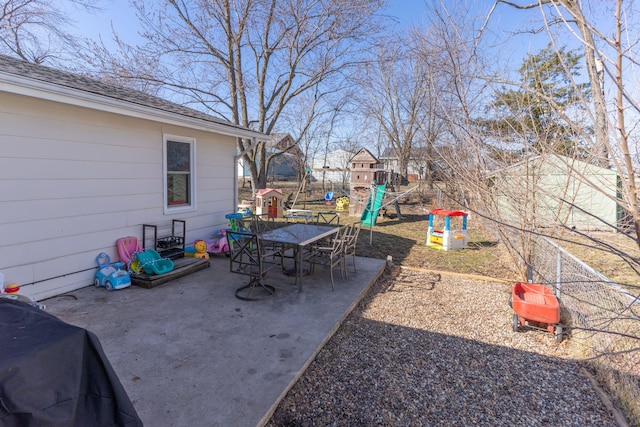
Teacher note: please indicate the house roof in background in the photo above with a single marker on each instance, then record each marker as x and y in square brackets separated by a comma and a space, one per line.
[365, 156]
[284, 141]
[26, 78]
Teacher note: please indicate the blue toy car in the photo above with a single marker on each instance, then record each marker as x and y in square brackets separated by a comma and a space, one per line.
[111, 276]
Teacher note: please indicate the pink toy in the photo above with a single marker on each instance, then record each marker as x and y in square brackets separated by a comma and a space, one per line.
[127, 246]
[219, 243]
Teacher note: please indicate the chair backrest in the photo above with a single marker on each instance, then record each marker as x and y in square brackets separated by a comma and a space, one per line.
[339, 239]
[328, 218]
[262, 223]
[127, 246]
[244, 253]
[351, 238]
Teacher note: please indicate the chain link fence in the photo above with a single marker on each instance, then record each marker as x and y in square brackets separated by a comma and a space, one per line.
[601, 317]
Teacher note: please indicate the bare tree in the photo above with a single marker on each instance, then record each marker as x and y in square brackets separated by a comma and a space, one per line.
[315, 122]
[349, 142]
[36, 30]
[482, 152]
[246, 61]
[397, 93]
[518, 200]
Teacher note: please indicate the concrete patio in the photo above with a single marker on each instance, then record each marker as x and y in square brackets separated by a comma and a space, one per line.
[189, 353]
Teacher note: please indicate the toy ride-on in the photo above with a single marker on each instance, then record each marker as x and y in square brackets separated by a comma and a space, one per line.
[535, 306]
[111, 276]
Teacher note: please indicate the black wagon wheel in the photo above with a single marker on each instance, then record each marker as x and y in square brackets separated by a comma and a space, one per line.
[516, 323]
[558, 333]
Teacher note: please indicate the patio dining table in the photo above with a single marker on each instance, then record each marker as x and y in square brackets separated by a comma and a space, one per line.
[298, 236]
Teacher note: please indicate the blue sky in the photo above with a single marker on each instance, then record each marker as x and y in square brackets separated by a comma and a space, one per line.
[504, 22]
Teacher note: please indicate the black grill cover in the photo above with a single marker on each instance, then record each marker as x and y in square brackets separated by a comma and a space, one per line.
[55, 374]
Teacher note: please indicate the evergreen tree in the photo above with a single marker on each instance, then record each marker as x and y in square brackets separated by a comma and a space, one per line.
[543, 111]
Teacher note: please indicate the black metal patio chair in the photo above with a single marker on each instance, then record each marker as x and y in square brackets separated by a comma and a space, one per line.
[262, 223]
[247, 256]
[328, 218]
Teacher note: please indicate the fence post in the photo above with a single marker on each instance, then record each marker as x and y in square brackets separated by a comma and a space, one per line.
[558, 272]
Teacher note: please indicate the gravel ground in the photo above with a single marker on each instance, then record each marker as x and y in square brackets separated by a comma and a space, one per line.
[426, 350]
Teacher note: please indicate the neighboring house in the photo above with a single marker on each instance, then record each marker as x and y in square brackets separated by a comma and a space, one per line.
[84, 163]
[555, 183]
[415, 167]
[420, 162]
[282, 167]
[332, 167]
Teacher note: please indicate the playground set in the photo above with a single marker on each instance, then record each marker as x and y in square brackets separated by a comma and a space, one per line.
[374, 204]
[447, 238]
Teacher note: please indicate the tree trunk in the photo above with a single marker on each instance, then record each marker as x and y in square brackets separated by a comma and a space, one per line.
[632, 189]
[596, 79]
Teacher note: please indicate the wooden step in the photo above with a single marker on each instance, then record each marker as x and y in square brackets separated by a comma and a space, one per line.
[182, 267]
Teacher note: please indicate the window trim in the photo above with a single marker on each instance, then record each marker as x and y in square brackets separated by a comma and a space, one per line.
[192, 182]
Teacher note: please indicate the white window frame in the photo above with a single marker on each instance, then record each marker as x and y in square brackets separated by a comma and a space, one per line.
[192, 182]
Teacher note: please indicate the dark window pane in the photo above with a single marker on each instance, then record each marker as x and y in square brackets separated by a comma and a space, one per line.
[178, 156]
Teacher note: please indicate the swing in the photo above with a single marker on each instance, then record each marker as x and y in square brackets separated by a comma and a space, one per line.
[328, 197]
[151, 262]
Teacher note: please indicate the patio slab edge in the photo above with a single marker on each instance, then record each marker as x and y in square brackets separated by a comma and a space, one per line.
[331, 333]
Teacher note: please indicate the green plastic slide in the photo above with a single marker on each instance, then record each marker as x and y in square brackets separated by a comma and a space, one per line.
[371, 210]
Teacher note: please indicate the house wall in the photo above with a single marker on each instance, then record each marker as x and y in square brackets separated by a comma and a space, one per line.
[281, 167]
[557, 184]
[557, 189]
[413, 167]
[74, 180]
[338, 171]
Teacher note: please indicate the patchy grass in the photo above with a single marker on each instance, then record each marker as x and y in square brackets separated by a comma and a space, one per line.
[603, 252]
[405, 239]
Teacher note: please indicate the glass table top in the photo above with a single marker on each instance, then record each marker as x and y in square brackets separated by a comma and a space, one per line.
[298, 234]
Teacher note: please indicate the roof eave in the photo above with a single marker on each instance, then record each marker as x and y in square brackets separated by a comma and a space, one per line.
[12, 83]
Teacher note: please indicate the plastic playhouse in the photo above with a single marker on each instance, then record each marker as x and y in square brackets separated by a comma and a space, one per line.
[269, 201]
[447, 238]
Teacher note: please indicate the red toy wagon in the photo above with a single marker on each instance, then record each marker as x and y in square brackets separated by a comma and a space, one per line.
[535, 306]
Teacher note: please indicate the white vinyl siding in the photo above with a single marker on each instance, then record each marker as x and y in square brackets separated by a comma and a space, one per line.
[74, 180]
